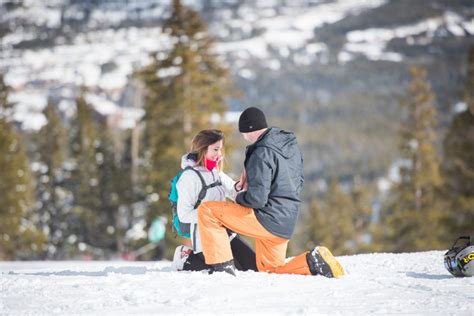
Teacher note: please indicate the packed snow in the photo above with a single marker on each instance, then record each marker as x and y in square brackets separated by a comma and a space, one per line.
[408, 283]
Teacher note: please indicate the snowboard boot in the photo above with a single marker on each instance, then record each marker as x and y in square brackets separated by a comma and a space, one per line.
[322, 262]
[227, 267]
[181, 254]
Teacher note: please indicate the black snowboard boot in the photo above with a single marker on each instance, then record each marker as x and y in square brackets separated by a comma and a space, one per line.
[227, 267]
[322, 262]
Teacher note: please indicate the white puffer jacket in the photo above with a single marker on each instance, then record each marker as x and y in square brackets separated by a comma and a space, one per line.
[189, 185]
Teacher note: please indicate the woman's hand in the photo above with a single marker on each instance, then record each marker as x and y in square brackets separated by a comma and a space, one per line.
[218, 160]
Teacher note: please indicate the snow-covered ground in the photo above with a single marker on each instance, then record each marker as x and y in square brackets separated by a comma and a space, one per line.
[414, 283]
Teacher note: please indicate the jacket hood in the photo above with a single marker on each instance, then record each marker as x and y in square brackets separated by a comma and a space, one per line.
[281, 141]
[188, 160]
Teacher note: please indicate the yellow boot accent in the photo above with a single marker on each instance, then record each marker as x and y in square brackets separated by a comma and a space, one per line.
[336, 267]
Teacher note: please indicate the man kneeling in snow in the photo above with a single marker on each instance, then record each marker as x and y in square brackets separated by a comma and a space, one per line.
[266, 207]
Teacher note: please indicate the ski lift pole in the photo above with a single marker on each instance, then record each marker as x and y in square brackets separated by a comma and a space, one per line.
[143, 250]
[156, 233]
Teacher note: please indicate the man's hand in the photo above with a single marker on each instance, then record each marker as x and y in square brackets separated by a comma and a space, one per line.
[242, 183]
[243, 176]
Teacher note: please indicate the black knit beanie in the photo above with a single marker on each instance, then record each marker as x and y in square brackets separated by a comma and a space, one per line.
[252, 119]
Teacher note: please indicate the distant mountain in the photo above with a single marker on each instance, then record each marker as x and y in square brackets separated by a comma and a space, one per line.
[333, 71]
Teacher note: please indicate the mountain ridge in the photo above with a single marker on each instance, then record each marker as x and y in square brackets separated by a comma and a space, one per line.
[337, 68]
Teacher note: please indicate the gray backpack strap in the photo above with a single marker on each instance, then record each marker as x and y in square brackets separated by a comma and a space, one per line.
[204, 188]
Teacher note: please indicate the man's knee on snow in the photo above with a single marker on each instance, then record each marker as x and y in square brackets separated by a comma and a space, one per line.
[265, 267]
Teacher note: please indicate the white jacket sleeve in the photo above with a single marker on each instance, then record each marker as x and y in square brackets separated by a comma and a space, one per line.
[188, 186]
[228, 184]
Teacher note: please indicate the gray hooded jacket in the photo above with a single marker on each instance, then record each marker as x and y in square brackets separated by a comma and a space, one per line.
[274, 166]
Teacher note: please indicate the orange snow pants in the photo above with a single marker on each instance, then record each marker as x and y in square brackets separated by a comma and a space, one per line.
[270, 250]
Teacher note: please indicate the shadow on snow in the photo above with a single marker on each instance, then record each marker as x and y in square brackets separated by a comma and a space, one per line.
[105, 272]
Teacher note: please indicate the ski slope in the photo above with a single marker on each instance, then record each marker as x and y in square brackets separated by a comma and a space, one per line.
[408, 283]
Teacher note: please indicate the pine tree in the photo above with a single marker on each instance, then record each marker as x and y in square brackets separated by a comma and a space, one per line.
[469, 90]
[54, 198]
[330, 221]
[131, 192]
[412, 217]
[114, 188]
[184, 88]
[84, 144]
[314, 227]
[458, 164]
[19, 236]
[84, 182]
[101, 183]
[362, 217]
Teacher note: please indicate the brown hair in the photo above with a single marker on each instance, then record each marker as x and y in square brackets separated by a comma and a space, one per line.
[202, 141]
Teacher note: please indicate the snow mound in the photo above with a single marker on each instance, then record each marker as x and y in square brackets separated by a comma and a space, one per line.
[409, 283]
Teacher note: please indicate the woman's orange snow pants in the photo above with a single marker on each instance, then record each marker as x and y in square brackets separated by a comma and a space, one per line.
[270, 250]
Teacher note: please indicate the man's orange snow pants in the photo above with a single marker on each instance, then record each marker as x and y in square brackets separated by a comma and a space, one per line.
[270, 250]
